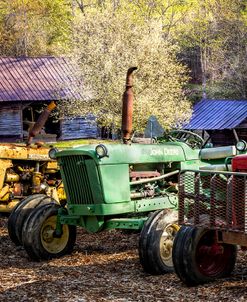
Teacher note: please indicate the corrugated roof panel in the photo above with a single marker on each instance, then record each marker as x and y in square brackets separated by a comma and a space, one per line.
[49, 71]
[3, 91]
[36, 79]
[17, 72]
[217, 114]
[8, 87]
[40, 76]
[32, 86]
[67, 78]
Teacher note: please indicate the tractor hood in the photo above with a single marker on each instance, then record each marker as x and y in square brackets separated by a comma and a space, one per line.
[136, 153]
[22, 152]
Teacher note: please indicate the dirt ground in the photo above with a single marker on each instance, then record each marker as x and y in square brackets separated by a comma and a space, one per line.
[103, 267]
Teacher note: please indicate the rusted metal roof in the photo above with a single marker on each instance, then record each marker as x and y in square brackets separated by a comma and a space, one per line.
[217, 114]
[37, 79]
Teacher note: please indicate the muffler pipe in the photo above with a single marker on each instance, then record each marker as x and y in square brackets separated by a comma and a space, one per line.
[127, 107]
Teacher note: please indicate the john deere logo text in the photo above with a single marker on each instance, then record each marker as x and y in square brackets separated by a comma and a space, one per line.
[165, 152]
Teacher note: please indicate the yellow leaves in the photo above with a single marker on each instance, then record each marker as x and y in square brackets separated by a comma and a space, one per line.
[34, 27]
[106, 45]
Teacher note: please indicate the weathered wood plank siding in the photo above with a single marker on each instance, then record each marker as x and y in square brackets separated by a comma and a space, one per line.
[78, 127]
[10, 121]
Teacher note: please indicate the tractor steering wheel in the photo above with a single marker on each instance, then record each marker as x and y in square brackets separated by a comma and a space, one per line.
[192, 139]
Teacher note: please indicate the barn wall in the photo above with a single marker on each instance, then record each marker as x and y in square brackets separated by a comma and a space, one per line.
[78, 127]
[10, 122]
[242, 134]
[222, 137]
[226, 137]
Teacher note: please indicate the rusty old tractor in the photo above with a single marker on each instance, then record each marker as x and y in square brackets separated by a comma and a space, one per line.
[213, 215]
[28, 177]
[25, 171]
[121, 186]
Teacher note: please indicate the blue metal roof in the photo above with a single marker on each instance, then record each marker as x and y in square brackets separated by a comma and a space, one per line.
[217, 114]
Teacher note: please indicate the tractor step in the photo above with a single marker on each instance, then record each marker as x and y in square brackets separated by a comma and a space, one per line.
[125, 223]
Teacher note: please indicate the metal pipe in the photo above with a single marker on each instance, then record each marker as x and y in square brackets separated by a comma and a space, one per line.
[127, 107]
[7, 208]
[40, 122]
[12, 177]
[235, 135]
[4, 191]
[138, 182]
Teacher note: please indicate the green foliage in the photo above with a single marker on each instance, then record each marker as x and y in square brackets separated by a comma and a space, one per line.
[32, 28]
[218, 29]
[107, 43]
[105, 37]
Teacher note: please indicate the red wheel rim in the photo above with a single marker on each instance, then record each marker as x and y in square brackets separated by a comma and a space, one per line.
[212, 258]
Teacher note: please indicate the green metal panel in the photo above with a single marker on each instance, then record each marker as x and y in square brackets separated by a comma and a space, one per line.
[135, 153]
[191, 164]
[142, 205]
[94, 181]
[77, 184]
[91, 217]
[81, 180]
[167, 202]
[125, 223]
[94, 224]
[101, 209]
[115, 183]
[189, 154]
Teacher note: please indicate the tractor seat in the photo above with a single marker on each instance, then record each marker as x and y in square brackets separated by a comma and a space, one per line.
[218, 152]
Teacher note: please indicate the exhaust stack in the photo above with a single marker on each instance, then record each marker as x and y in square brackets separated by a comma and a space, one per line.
[40, 122]
[127, 107]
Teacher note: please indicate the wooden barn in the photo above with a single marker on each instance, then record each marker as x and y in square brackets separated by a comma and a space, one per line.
[27, 84]
[223, 121]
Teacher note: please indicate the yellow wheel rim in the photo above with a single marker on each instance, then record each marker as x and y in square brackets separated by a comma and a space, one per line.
[166, 243]
[50, 244]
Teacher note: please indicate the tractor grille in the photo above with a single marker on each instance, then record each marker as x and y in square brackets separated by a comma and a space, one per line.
[77, 183]
[216, 200]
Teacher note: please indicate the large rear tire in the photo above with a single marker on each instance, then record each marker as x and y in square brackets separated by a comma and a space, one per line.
[156, 242]
[38, 234]
[198, 258]
[21, 212]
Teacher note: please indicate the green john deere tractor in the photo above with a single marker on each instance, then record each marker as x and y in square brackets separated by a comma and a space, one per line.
[120, 186]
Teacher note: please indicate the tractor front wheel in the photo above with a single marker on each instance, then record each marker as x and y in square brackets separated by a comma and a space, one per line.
[198, 257]
[38, 234]
[156, 242]
[20, 213]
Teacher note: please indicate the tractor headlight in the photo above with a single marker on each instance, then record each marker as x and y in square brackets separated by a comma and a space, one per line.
[241, 145]
[101, 151]
[52, 153]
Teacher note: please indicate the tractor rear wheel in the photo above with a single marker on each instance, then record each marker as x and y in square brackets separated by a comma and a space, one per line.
[198, 258]
[38, 234]
[156, 242]
[21, 212]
